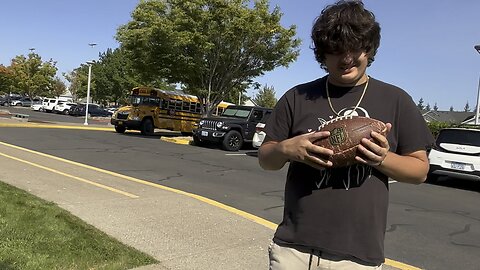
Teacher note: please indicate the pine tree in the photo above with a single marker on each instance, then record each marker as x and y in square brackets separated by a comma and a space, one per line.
[420, 104]
[427, 108]
[451, 108]
[466, 108]
[435, 107]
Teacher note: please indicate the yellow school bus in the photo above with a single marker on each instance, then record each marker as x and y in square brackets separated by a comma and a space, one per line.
[152, 108]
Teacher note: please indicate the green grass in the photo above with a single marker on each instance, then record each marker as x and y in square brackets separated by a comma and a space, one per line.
[36, 235]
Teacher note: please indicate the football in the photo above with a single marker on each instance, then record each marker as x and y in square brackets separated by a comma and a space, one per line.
[346, 133]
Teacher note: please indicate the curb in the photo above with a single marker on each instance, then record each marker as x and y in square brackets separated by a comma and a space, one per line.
[183, 141]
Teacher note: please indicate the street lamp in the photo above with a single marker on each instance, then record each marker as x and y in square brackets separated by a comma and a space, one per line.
[88, 91]
[477, 47]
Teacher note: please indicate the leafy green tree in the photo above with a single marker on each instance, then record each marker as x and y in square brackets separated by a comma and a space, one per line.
[266, 97]
[78, 79]
[32, 76]
[58, 88]
[78, 82]
[113, 76]
[212, 47]
[6, 79]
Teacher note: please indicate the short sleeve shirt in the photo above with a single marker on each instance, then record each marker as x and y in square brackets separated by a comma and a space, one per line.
[344, 210]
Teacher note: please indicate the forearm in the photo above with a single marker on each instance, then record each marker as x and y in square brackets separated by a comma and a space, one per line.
[411, 169]
[270, 157]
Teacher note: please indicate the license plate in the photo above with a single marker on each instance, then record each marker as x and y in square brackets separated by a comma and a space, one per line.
[120, 123]
[205, 133]
[457, 166]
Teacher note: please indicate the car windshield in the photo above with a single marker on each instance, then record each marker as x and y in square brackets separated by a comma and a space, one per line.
[459, 136]
[236, 112]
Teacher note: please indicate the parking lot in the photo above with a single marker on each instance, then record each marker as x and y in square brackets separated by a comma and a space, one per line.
[424, 221]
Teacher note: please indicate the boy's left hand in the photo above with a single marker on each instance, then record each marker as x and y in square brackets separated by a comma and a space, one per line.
[373, 152]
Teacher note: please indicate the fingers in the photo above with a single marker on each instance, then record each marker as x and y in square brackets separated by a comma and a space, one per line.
[318, 162]
[317, 135]
[373, 152]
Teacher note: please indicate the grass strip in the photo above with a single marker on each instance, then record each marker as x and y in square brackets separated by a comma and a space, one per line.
[36, 234]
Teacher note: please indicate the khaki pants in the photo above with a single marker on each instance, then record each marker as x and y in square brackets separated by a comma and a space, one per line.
[286, 258]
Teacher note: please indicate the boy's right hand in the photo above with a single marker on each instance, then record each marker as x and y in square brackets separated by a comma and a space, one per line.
[302, 149]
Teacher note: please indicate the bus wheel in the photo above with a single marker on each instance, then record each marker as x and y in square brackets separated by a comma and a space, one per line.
[232, 141]
[147, 127]
[120, 129]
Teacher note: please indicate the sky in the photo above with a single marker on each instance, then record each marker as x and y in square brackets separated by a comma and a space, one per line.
[427, 46]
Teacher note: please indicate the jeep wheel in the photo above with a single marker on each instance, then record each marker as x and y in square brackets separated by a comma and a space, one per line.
[120, 129]
[232, 141]
[197, 141]
[432, 178]
[147, 128]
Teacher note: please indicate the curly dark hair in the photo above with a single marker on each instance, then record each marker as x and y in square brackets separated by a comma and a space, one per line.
[345, 26]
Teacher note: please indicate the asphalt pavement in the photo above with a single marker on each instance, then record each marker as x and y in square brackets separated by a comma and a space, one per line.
[181, 230]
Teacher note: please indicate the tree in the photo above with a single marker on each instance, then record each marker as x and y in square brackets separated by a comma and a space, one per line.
[420, 104]
[466, 108]
[77, 80]
[427, 108]
[451, 108]
[266, 97]
[212, 47]
[114, 77]
[6, 79]
[435, 107]
[58, 88]
[32, 76]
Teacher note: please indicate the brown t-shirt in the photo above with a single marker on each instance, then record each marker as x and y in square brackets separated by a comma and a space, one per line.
[342, 211]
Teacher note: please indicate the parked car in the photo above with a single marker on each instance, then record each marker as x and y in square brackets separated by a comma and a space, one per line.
[112, 109]
[93, 110]
[63, 107]
[24, 102]
[36, 107]
[232, 129]
[259, 135]
[456, 153]
[5, 101]
[48, 104]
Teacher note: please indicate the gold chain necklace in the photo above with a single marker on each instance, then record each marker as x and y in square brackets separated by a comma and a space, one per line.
[356, 106]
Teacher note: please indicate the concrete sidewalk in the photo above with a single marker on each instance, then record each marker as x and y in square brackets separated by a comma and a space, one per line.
[180, 230]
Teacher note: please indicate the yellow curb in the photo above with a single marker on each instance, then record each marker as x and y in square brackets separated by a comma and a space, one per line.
[176, 140]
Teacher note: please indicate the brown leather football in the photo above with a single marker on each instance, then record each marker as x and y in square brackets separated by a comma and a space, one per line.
[346, 133]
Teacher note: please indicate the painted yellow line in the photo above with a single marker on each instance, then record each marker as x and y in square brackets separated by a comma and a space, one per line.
[72, 176]
[400, 265]
[53, 126]
[228, 208]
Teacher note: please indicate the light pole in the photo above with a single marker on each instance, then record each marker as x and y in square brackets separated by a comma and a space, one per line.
[88, 91]
[477, 47]
[88, 84]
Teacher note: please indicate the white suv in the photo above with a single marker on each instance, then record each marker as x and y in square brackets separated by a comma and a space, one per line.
[456, 154]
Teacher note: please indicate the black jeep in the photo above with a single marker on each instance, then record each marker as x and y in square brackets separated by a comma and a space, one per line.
[234, 127]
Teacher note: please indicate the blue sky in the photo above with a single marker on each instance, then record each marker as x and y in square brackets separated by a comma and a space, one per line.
[426, 47]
